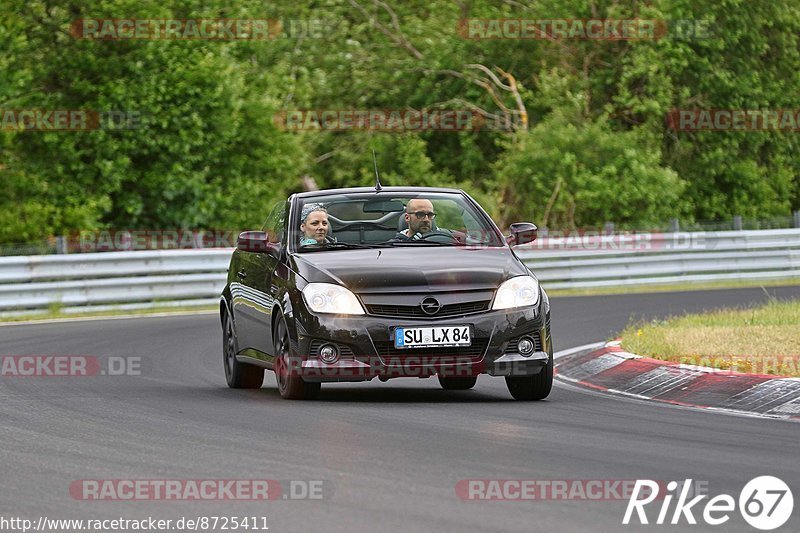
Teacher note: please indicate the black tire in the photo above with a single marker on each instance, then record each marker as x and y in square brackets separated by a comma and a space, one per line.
[238, 375]
[290, 384]
[462, 383]
[531, 388]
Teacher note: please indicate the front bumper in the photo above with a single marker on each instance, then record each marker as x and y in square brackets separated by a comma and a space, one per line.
[367, 346]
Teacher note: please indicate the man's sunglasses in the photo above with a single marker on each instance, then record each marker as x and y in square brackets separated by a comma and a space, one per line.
[422, 214]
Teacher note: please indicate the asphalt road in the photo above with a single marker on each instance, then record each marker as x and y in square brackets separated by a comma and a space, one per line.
[389, 454]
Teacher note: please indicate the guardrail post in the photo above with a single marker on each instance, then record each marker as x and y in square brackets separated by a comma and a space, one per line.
[737, 223]
[61, 245]
[608, 229]
[674, 225]
[796, 216]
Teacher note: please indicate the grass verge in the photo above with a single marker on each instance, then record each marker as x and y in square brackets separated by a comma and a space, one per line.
[760, 340]
[680, 287]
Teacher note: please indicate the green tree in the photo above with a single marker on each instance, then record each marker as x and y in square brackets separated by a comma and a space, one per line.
[567, 176]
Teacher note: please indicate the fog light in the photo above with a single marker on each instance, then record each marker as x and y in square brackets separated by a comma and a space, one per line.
[329, 353]
[525, 346]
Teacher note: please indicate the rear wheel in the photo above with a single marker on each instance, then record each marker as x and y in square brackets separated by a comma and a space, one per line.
[290, 384]
[238, 375]
[462, 383]
[529, 388]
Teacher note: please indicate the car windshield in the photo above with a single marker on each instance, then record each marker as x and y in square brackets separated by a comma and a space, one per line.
[370, 220]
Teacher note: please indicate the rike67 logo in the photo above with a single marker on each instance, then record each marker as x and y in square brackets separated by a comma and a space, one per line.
[765, 503]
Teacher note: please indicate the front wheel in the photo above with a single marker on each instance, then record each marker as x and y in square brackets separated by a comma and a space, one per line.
[238, 375]
[530, 388]
[287, 369]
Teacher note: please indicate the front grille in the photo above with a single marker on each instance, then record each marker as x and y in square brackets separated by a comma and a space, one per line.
[457, 354]
[345, 352]
[415, 311]
[511, 347]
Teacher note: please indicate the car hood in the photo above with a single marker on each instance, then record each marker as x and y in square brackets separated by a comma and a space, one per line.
[406, 268]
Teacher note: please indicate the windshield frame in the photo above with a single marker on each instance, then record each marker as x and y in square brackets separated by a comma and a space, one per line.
[303, 198]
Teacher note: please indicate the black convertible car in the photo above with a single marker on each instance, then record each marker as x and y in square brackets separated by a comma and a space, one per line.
[353, 284]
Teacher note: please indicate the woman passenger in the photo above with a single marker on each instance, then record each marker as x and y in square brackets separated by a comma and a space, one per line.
[314, 224]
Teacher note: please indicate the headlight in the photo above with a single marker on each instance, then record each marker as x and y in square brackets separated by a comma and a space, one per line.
[330, 298]
[522, 291]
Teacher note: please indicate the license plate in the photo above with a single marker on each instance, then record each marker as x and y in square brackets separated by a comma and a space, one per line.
[432, 336]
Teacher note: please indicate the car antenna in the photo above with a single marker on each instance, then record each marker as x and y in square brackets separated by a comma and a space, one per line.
[377, 177]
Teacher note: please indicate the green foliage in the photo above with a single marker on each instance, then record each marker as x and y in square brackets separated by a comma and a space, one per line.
[570, 176]
[208, 155]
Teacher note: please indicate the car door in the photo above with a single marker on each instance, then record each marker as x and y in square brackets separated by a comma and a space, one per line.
[253, 309]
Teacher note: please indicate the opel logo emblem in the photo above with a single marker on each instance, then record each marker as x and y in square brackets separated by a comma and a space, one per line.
[430, 305]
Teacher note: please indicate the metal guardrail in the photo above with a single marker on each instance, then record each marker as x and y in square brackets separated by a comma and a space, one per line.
[656, 259]
[118, 280]
[144, 279]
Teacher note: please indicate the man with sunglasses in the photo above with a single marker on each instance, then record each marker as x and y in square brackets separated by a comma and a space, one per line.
[419, 216]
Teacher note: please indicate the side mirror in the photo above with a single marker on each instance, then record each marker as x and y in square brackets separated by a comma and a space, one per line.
[257, 242]
[522, 233]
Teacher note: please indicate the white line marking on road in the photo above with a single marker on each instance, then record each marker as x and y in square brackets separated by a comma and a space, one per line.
[592, 346]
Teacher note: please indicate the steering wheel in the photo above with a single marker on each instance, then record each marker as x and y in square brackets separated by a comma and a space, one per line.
[438, 235]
